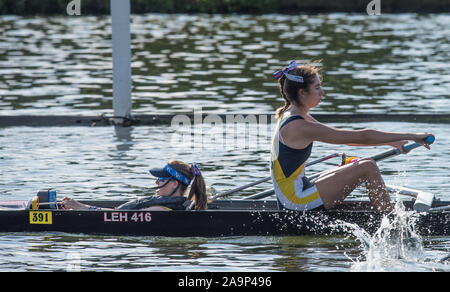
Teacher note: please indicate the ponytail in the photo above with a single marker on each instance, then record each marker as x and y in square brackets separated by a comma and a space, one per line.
[197, 190]
[287, 102]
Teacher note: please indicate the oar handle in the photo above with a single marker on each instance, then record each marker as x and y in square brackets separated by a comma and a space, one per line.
[429, 140]
[407, 148]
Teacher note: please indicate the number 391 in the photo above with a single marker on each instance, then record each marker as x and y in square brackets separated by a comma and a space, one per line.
[40, 217]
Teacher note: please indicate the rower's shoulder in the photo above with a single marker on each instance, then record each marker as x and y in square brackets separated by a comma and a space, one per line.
[297, 127]
[292, 117]
[307, 128]
[306, 120]
[310, 118]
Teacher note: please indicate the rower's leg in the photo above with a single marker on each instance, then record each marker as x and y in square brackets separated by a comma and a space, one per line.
[71, 204]
[335, 186]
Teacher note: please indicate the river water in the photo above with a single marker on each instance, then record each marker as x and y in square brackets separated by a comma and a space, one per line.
[217, 64]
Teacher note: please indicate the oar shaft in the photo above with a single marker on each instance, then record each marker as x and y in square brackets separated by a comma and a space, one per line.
[440, 209]
[386, 154]
[261, 195]
[395, 152]
[224, 194]
[402, 191]
[322, 159]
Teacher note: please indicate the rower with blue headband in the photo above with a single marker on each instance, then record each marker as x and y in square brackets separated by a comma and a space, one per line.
[172, 182]
[169, 173]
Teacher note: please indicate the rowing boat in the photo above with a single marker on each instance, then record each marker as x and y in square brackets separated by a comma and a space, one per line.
[223, 218]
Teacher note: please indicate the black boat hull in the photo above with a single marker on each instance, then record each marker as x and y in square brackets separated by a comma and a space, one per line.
[228, 218]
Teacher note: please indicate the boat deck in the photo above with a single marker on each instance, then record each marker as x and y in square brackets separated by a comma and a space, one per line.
[263, 205]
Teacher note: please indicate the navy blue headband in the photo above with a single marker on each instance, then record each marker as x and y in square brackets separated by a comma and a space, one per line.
[178, 176]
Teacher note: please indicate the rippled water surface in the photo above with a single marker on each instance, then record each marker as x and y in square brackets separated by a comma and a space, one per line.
[391, 63]
[221, 64]
[113, 163]
[109, 163]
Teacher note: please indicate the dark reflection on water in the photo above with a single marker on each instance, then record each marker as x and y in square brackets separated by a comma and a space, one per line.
[224, 63]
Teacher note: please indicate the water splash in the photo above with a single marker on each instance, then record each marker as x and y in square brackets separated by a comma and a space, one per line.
[395, 246]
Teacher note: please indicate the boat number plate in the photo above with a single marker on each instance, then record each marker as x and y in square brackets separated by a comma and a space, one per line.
[124, 217]
[41, 217]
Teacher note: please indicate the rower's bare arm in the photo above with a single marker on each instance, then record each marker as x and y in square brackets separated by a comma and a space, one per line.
[327, 134]
[300, 133]
[396, 144]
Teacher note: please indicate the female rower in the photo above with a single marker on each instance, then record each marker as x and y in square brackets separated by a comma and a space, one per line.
[296, 130]
[172, 184]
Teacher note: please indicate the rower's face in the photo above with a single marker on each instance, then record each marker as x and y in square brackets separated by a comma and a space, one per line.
[167, 188]
[313, 96]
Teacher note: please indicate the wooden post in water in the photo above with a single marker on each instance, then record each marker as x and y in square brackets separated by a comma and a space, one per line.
[121, 53]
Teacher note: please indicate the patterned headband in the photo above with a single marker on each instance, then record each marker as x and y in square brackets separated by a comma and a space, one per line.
[295, 78]
[194, 169]
[175, 174]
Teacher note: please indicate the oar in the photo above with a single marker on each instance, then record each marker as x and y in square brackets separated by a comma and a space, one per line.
[440, 209]
[377, 157]
[386, 154]
[394, 152]
[423, 200]
[224, 194]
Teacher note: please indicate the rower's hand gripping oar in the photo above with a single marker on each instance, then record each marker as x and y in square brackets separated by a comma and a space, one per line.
[394, 152]
[377, 157]
[387, 154]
